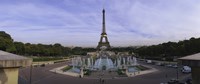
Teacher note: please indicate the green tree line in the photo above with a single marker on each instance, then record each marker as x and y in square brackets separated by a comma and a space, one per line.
[171, 49]
[28, 49]
[167, 50]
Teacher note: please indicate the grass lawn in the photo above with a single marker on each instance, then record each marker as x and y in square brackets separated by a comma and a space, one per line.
[142, 68]
[66, 68]
[40, 59]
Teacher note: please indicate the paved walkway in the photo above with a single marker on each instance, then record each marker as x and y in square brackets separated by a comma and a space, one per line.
[42, 75]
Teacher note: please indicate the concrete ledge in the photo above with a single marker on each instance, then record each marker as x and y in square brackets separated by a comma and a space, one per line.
[150, 70]
[9, 65]
[9, 60]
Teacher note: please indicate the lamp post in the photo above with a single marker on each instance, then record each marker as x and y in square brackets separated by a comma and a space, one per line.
[177, 72]
[30, 74]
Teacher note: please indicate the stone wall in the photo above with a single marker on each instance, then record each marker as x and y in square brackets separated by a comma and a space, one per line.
[9, 76]
[195, 75]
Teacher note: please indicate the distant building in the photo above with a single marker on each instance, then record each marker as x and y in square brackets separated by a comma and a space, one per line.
[92, 53]
[194, 62]
[123, 53]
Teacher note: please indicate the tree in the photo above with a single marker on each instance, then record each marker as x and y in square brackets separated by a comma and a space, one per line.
[6, 42]
[2, 44]
[58, 49]
[20, 48]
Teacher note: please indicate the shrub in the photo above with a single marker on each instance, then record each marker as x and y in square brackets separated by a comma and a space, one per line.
[87, 72]
[39, 59]
[120, 72]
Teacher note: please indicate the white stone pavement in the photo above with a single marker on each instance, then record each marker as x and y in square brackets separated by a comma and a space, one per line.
[59, 71]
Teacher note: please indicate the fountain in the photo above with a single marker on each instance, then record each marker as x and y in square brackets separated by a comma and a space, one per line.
[104, 62]
[100, 62]
[88, 62]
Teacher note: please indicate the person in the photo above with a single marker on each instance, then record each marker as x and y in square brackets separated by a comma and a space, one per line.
[100, 80]
[103, 81]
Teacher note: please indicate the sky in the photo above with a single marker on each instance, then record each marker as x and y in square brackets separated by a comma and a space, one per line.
[79, 22]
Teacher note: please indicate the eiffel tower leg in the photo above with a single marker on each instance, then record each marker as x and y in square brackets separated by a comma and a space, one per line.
[101, 39]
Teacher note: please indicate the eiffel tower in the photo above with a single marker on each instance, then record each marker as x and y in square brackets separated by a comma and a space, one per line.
[103, 35]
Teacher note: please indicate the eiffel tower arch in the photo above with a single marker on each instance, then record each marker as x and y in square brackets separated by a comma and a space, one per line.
[103, 39]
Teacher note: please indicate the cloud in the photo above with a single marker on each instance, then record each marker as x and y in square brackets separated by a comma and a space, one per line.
[158, 21]
[35, 24]
[79, 22]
